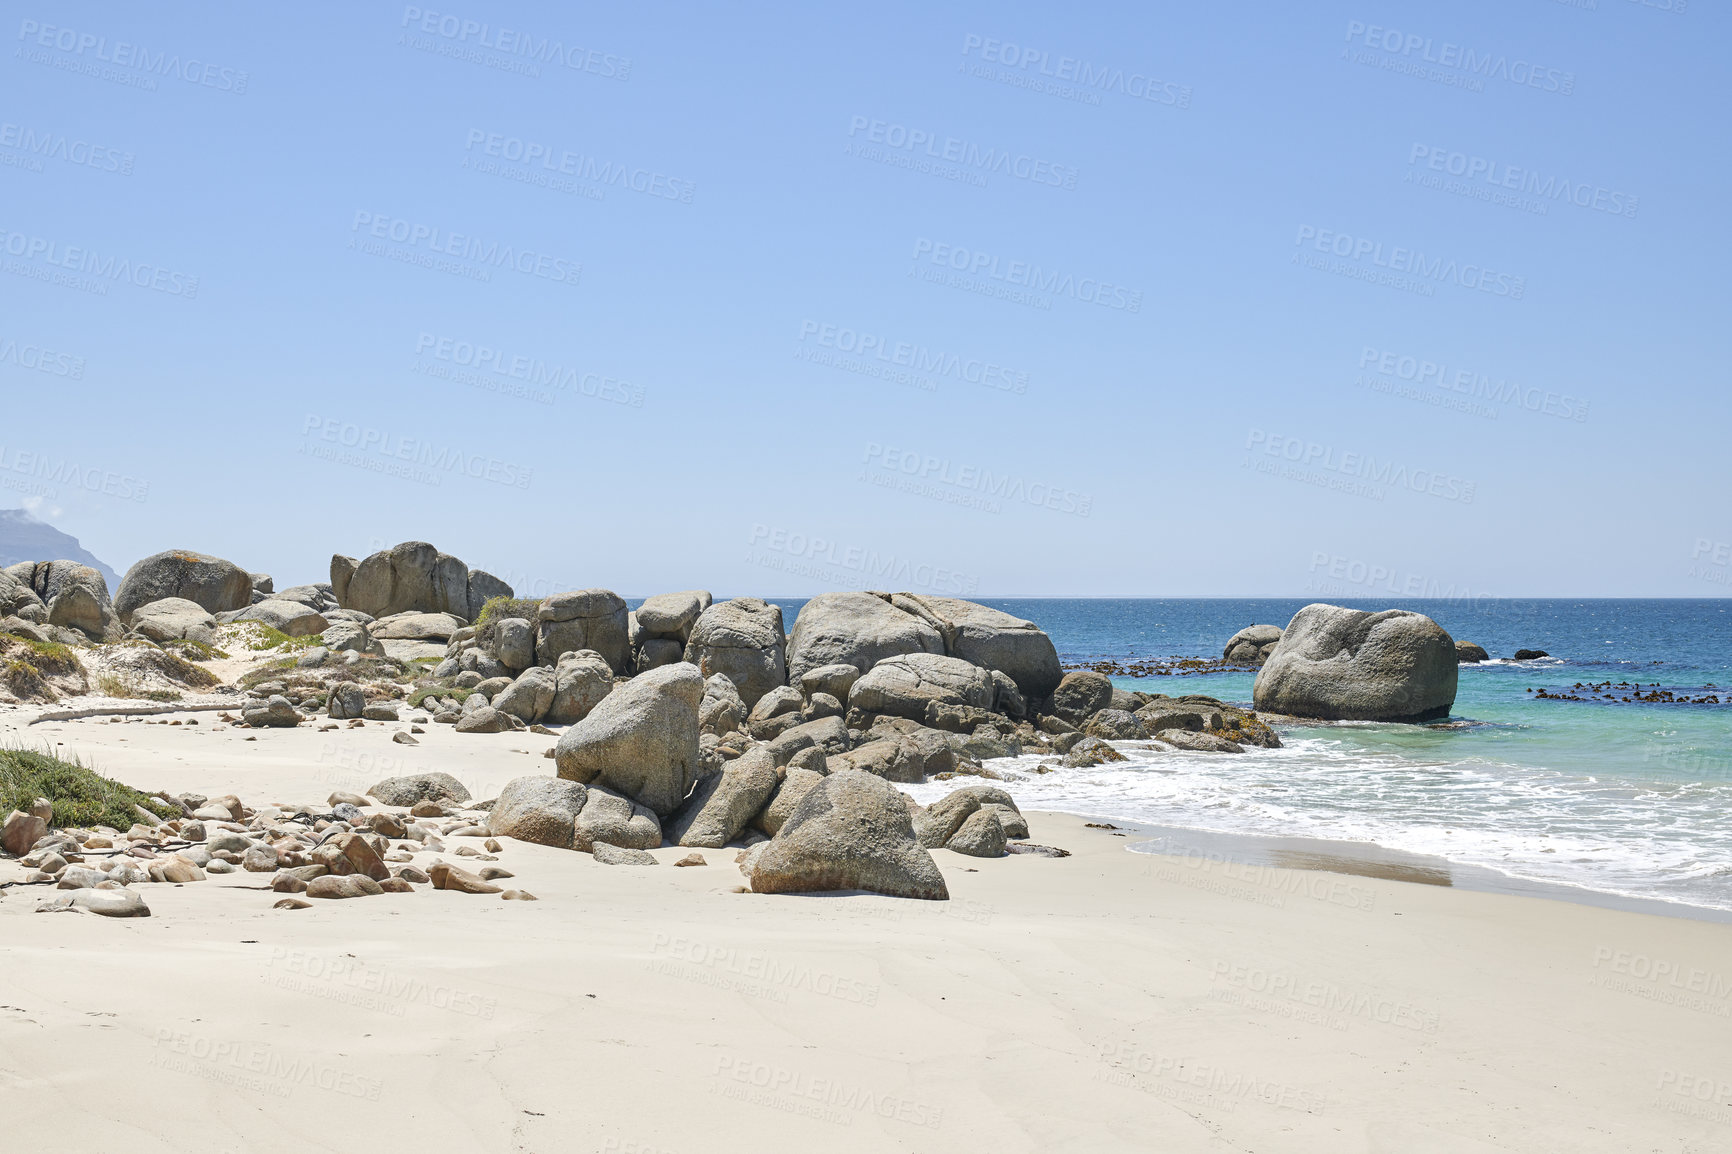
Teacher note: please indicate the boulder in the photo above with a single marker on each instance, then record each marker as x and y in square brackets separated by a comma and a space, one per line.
[1467, 653]
[858, 629]
[1252, 644]
[514, 643]
[21, 831]
[593, 619]
[671, 615]
[537, 809]
[217, 585]
[657, 652]
[829, 734]
[530, 696]
[114, 903]
[484, 587]
[641, 740]
[73, 596]
[17, 598]
[291, 617]
[349, 637]
[742, 638]
[903, 685]
[851, 831]
[1200, 742]
[416, 626]
[611, 818]
[275, 712]
[722, 710]
[1530, 654]
[1090, 752]
[412, 577]
[483, 719]
[1349, 664]
[835, 680]
[891, 758]
[1081, 694]
[173, 619]
[723, 803]
[581, 680]
[406, 791]
[1008, 699]
[991, 639]
[980, 835]
[342, 571]
[343, 886]
[613, 855]
[788, 795]
[1116, 725]
[446, 876]
[345, 700]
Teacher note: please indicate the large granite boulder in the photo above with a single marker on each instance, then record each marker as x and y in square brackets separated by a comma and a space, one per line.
[723, 803]
[484, 587]
[858, 629]
[796, 784]
[851, 831]
[581, 679]
[410, 577]
[415, 625]
[218, 585]
[722, 709]
[537, 809]
[1081, 694]
[610, 818]
[73, 595]
[990, 639]
[174, 619]
[18, 599]
[1252, 644]
[670, 616]
[904, 684]
[294, 618]
[514, 643]
[593, 619]
[530, 696]
[742, 638]
[641, 740]
[1352, 665]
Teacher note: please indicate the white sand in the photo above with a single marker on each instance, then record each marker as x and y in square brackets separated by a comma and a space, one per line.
[1108, 1001]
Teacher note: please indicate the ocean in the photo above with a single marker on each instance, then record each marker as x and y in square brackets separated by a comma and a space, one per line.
[1618, 797]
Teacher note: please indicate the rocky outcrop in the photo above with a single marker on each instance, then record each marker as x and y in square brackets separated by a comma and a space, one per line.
[72, 595]
[858, 629]
[542, 810]
[218, 585]
[593, 619]
[906, 684]
[742, 638]
[852, 831]
[991, 639]
[641, 740]
[1348, 664]
[412, 577]
[1252, 645]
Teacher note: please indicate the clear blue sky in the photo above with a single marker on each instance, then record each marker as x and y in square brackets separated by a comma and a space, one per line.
[1151, 299]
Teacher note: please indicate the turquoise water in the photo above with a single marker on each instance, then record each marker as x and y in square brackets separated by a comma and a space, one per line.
[1630, 799]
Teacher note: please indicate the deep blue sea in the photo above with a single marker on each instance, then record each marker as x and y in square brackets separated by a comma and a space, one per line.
[1623, 798]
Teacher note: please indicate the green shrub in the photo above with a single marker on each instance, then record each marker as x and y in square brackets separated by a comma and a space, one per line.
[81, 796]
[501, 607]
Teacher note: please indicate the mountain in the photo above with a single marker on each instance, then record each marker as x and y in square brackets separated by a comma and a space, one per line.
[24, 538]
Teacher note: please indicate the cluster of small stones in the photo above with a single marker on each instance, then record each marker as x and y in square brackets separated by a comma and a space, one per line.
[331, 851]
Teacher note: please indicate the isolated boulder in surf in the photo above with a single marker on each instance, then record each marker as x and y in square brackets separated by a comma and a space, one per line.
[1344, 664]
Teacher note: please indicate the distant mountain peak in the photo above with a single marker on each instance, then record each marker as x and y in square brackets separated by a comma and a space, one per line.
[24, 538]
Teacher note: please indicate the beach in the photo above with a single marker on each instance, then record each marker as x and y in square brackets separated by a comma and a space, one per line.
[1108, 1000]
